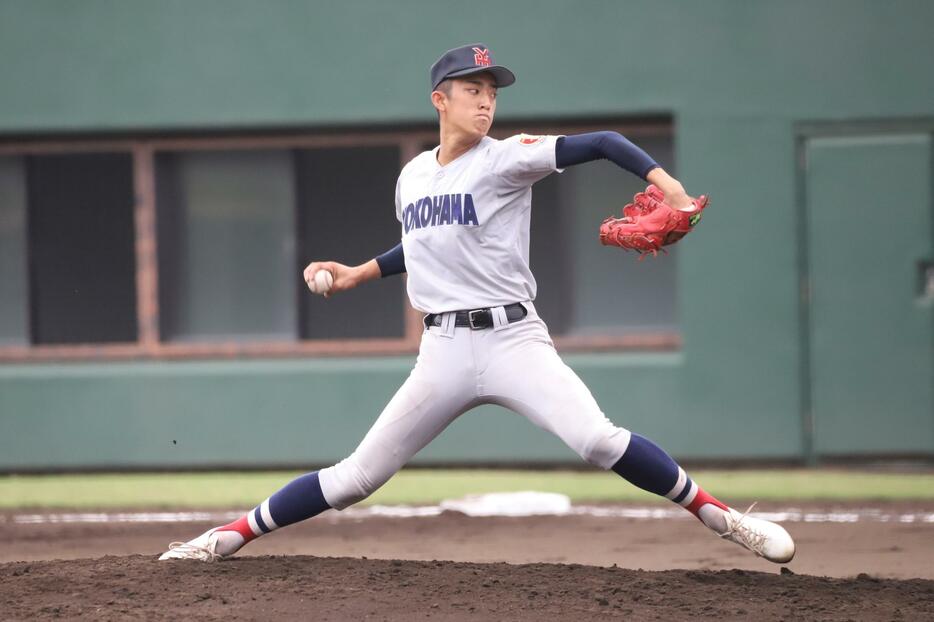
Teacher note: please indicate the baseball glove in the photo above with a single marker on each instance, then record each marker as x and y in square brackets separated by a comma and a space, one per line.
[649, 224]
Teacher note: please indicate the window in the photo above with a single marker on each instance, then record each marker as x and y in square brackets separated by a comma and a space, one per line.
[74, 213]
[226, 245]
[194, 247]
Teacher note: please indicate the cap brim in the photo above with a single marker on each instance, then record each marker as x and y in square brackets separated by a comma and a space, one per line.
[503, 76]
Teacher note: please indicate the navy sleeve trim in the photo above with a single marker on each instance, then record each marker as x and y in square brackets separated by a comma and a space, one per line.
[612, 146]
[392, 261]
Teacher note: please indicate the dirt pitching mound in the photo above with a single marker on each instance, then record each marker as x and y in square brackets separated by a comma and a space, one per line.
[323, 588]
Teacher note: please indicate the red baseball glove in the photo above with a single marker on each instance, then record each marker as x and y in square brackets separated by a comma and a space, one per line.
[649, 224]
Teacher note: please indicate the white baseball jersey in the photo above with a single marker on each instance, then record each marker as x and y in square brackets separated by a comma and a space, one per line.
[465, 226]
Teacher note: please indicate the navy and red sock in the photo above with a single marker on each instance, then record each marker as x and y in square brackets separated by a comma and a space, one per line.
[649, 467]
[299, 499]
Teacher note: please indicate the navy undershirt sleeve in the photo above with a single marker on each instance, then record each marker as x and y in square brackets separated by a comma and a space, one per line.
[612, 146]
[392, 261]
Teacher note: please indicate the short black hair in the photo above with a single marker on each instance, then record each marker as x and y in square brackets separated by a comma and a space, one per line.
[445, 86]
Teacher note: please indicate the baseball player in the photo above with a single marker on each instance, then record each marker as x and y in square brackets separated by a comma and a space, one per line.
[464, 210]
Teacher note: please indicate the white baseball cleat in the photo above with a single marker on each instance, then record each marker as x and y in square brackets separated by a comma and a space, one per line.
[764, 538]
[203, 548]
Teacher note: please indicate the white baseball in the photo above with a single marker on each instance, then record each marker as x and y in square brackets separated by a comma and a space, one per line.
[322, 282]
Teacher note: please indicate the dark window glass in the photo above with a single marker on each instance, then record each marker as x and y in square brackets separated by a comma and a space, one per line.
[81, 246]
[346, 200]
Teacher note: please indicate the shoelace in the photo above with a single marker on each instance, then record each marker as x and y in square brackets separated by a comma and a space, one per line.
[738, 531]
[204, 552]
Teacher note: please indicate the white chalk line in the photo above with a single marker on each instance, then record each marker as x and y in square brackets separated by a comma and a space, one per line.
[789, 515]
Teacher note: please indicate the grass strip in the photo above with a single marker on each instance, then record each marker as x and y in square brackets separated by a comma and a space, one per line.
[417, 486]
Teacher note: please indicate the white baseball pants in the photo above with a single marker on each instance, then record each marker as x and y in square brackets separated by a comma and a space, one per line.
[513, 365]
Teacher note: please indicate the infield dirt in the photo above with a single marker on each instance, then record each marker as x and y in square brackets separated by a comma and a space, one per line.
[320, 588]
[872, 567]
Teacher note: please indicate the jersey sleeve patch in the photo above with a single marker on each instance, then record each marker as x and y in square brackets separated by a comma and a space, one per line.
[527, 139]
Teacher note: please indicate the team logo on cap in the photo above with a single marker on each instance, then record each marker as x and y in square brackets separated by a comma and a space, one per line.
[481, 57]
[525, 139]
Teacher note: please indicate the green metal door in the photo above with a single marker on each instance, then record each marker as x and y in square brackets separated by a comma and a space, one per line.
[868, 294]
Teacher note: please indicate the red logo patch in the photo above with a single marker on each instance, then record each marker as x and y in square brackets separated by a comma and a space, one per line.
[530, 140]
[481, 57]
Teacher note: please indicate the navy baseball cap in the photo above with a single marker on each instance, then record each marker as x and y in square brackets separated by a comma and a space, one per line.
[467, 60]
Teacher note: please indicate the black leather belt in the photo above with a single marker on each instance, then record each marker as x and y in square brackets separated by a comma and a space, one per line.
[478, 319]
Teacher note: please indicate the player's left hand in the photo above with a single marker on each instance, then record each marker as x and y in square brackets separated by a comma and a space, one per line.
[675, 195]
[679, 199]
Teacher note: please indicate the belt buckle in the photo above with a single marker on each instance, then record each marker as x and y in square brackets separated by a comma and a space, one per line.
[470, 316]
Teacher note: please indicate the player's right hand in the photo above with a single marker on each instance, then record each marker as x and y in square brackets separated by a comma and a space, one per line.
[345, 277]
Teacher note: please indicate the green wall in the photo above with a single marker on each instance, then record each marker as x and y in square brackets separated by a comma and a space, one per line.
[738, 76]
[278, 412]
[98, 65]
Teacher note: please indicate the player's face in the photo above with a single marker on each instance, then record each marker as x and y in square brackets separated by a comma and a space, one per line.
[472, 104]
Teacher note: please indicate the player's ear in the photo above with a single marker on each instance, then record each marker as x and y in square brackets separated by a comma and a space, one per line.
[437, 100]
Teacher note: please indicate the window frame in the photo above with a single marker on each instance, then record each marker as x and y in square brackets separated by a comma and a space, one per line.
[142, 150]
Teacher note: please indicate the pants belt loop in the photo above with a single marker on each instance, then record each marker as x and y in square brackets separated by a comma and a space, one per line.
[447, 325]
[500, 321]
